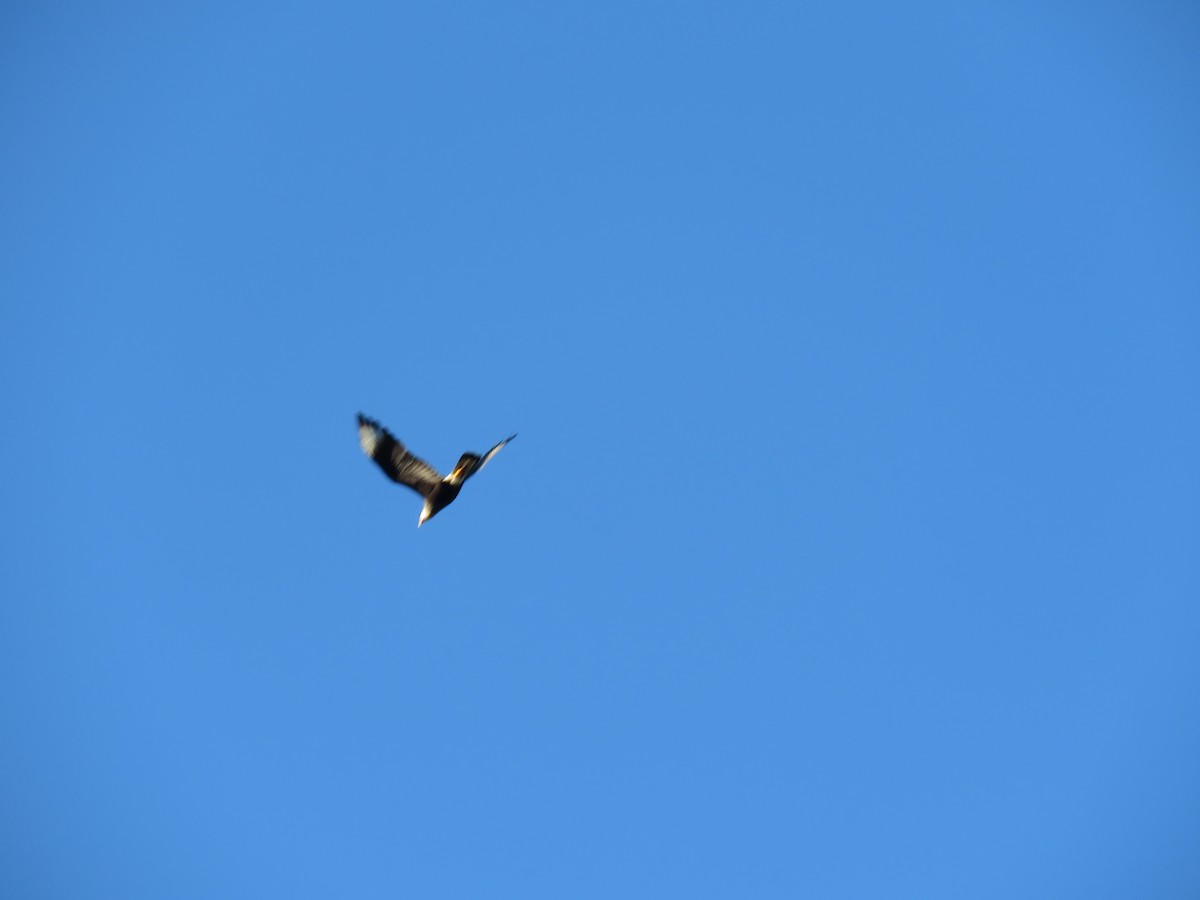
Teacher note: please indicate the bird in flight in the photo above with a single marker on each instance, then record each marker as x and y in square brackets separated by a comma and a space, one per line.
[404, 468]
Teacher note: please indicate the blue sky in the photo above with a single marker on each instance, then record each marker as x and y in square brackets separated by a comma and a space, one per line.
[848, 547]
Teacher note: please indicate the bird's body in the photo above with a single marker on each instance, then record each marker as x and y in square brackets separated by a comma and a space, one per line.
[441, 497]
[403, 468]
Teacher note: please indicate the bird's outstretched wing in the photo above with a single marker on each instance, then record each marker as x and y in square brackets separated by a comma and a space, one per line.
[395, 460]
[470, 463]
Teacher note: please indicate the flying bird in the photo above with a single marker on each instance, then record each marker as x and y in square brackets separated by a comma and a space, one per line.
[404, 468]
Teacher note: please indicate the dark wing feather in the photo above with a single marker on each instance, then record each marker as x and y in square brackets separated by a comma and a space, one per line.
[395, 460]
[470, 463]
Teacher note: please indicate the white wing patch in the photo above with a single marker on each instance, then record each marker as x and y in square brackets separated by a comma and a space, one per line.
[495, 450]
[368, 439]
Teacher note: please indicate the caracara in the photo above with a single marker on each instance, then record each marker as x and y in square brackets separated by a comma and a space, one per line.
[404, 468]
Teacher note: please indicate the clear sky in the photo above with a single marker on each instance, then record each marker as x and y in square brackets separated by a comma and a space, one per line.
[849, 545]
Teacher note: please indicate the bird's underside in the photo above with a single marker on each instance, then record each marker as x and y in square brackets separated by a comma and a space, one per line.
[411, 471]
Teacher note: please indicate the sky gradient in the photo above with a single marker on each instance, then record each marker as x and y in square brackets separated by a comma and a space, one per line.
[848, 547]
